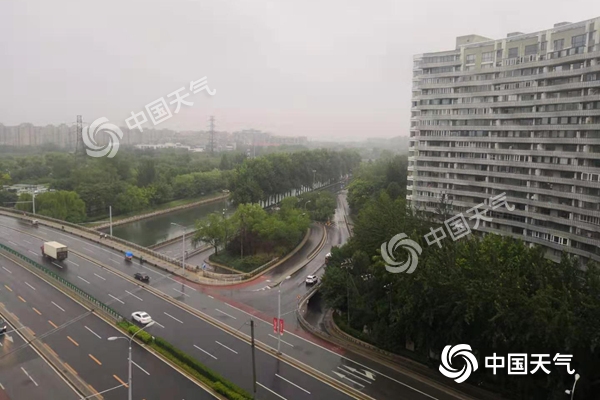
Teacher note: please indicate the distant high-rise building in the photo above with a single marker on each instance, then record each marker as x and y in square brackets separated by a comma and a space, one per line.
[520, 116]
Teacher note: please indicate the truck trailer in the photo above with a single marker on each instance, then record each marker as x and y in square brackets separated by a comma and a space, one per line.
[54, 251]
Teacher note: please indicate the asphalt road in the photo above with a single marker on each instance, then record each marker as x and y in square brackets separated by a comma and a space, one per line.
[81, 340]
[217, 349]
[25, 375]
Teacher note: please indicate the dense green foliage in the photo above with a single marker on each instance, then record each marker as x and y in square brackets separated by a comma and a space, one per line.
[388, 173]
[494, 293]
[61, 204]
[133, 180]
[274, 174]
[252, 236]
[319, 204]
[188, 363]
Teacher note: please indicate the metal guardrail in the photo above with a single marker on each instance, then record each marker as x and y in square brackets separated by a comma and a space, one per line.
[64, 282]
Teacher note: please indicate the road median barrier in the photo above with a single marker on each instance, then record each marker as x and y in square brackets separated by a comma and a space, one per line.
[353, 393]
[187, 363]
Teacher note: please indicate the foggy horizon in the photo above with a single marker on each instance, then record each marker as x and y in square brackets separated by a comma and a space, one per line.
[327, 71]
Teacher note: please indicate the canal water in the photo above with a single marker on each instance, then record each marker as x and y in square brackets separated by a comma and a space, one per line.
[149, 231]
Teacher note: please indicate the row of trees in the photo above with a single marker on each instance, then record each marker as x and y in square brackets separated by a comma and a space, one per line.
[495, 293]
[259, 178]
[131, 181]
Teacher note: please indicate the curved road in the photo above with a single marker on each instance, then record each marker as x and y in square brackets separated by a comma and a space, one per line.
[219, 350]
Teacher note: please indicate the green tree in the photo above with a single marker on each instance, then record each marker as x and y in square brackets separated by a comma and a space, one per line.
[146, 172]
[213, 231]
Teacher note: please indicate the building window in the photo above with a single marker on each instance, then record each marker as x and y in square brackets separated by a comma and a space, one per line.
[469, 68]
[578, 41]
[559, 44]
[470, 58]
[499, 54]
[531, 49]
[543, 46]
[513, 52]
[487, 57]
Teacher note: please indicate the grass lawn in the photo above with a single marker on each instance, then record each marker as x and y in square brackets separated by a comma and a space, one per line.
[159, 207]
[246, 264]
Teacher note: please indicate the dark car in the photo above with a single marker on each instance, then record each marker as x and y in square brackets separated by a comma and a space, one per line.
[3, 327]
[141, 277]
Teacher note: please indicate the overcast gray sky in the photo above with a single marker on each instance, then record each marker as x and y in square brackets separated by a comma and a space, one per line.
[326, 69]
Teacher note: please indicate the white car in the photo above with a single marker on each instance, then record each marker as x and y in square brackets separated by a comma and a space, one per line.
[141, 317]
[311, 279]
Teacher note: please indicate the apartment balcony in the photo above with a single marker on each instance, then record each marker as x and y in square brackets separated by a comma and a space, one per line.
[498, 116]
[544, 63]
[517, 103]
[411, 168]
[495, 174]
[425, 65]
[480, 161]
[531, 152]
[574, 127]
[409, 188]
[506, 92]
[516, 140]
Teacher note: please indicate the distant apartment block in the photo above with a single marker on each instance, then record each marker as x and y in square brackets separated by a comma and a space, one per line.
[251, 137]
[519, 115]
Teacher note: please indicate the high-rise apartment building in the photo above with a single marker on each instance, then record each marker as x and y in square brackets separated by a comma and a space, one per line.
[521, 116]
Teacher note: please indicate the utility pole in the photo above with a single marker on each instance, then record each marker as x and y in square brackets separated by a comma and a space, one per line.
[79, 148]
[211, 139]
[110, 219]
[253, 359]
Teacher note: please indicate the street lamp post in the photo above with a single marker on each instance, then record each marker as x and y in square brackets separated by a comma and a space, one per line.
[306, 204]
[33, 200]
[279, 313]
[129, 388]
[183, 248]
[572, 391]
[314, 173]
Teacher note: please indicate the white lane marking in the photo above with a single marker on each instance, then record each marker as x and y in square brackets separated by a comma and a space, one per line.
[116, 298]
[59, 307]
[83, 279]
[354, 375]
[345, 377]
[292, 383]
[181, 292]
[127, 291]
[368, 374]
[69, 261]
[204, 351]
[58, 265]
[134, 363]
[13, 243]
[98, 336]
[29, 285]
[155, 322]
[100, 276]
[221, 344]
[26, 241]
[341, 356]
[169, 315]
[222, 312]
[266, 388]
[1, 387]
[283, 341]
[7, 270]
[33, 252]
[210, 296]
[29, 376]
[88, 249]
[188, 286]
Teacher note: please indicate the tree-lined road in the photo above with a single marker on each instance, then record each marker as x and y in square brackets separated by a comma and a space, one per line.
[220, 351]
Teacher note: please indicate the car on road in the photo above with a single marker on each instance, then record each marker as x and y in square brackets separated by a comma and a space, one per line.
[142, 317]
[311, 279]
[3, 327]
[141, 277]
